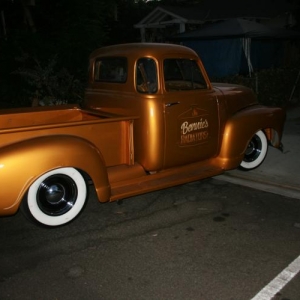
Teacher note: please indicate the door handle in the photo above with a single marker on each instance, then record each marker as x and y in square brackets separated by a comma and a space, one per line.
[171, 104]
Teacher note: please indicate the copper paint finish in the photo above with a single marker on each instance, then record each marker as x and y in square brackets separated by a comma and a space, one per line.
[130, 142]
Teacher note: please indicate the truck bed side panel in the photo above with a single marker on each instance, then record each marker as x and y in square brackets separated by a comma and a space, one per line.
[113, 139]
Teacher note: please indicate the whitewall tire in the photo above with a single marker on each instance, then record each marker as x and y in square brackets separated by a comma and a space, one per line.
[256, 152]
[57, 197]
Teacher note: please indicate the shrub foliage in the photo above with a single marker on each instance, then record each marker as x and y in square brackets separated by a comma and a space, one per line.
[273, 87]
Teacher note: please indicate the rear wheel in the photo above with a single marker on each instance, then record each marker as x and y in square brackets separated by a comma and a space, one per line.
[57, 197]
[256, 152]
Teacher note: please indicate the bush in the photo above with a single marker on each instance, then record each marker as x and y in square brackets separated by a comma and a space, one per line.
[48, 86]
[273, 87]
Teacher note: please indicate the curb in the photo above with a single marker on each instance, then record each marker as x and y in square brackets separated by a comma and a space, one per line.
[263, 185]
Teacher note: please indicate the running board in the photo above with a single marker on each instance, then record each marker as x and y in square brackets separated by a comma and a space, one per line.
[163, 179]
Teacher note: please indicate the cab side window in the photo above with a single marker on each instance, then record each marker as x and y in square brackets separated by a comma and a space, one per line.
[111, 69]
[183, 74]
[146, 76]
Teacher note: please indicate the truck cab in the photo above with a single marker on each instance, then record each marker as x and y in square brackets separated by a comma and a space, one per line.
[181, 114]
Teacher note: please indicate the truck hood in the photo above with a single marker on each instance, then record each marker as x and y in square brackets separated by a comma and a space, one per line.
[235, 97]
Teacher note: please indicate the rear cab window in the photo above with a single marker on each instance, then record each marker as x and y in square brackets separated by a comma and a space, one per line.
[111, 69]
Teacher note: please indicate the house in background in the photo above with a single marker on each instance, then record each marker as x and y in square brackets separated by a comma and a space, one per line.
[248, 35]
[165, 21]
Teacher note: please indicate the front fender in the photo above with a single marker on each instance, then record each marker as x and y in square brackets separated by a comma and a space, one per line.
[242, 126]
[22, 163]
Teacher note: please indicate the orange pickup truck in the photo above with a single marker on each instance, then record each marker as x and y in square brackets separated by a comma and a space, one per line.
[151, 119]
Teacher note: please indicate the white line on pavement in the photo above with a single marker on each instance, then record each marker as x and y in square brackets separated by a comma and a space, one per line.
[279, 282]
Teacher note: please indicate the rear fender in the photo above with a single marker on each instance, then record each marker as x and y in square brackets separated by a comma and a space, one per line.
[22, 163]
[242, 126]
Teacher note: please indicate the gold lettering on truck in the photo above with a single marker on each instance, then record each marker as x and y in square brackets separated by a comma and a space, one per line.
[186, 127]
[194, 132]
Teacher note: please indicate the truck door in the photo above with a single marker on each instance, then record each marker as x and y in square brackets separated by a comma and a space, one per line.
[191, 114]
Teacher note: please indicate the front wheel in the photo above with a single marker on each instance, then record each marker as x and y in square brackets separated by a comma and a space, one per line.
[256, 152]
[56, 198]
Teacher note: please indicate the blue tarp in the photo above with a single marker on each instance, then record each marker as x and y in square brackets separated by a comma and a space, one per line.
[223, 57]
[220, 46]
[220, 57]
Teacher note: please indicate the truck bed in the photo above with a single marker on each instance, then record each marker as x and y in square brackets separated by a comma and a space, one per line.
[112, 135]
[25, 117]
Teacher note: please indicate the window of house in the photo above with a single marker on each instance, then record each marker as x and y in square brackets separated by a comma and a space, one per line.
[146, 76]
[183, 74]
[111, 69]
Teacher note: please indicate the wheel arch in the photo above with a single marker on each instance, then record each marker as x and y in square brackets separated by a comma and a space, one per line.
[22, 163]
[239, 130]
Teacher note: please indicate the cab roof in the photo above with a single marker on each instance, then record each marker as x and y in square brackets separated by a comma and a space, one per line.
[142, 49]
